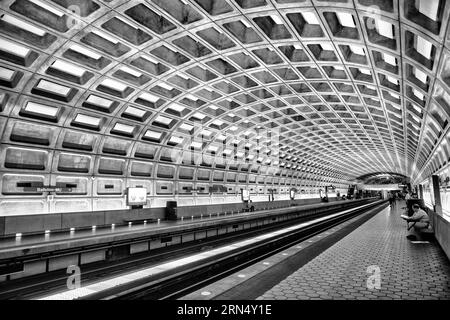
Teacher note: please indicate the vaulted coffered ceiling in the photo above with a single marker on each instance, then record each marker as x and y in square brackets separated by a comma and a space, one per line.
[329, 89]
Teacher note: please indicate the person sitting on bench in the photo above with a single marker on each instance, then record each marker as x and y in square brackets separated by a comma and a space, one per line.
[420, 221]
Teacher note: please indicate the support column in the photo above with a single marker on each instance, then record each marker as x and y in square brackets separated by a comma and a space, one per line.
[420, 191]
[436, 195]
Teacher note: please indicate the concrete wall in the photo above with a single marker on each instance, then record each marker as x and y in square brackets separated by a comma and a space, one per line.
[441, 227]
[37, 223]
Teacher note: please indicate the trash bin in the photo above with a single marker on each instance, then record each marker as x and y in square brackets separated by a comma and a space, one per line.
[171, 210]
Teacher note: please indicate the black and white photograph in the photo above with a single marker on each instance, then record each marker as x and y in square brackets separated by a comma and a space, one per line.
[225, 158]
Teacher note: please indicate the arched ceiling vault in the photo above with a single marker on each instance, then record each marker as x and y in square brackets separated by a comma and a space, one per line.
[333, 89]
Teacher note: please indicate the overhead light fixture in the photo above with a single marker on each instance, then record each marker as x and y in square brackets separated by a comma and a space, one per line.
[422, 76]
[68, 68]
[310, 17]
[23, 25]
[423, 47]
[389, 59]
[86, 52]
[357, 50]
[48, 8]
[276, 19]
[14, 48]
[384, 28]
[326, 46]
[128, 70]
[346, 19]
[429, 8]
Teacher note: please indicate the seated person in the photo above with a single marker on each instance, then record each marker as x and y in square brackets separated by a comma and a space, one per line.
[420, 220]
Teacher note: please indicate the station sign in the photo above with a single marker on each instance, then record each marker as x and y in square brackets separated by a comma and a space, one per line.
[47, 189]
[136, 196]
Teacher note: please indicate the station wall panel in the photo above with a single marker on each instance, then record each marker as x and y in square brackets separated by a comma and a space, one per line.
[109, 186]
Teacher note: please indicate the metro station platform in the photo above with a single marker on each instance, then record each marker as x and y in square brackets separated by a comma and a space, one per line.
[345, 271]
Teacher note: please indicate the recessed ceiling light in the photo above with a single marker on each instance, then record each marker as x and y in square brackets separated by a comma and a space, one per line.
[53, 87]
[418, 94]
[150, 59]
[123, 128]
[163, 120]
[276, 19]
[42, 109]
[422, 76]
[429, 8]
[23, 25]
[310, 18]
[68, 68]
[357, 50]
[135, 111]
[89, 120]
[14, 48]
[346, 19]
[423, 47]
[165, 86]
[326, 46]
[153, 134]
[246, 23]
[389, 59]
[133, 72]
[365, 71]
[114, 84]
[6, 74]
[177, 107]
[149, 97]
[48, 8]
[86, 52]
[384, 28]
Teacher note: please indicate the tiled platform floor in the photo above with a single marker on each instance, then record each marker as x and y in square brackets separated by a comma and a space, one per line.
[407, 270]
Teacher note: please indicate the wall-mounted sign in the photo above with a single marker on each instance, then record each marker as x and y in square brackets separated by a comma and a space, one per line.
[292, 194]
[47, 189]
[136, 196]
[245, 194]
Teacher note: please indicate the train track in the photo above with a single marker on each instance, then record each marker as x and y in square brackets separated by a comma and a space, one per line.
[173, 285]
[187, 281]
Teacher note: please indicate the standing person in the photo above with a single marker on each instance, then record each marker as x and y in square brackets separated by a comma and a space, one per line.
[407, 196]
[391, 199]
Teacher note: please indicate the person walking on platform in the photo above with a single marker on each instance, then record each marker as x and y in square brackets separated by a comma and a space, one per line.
[407, 196]
[391, 199]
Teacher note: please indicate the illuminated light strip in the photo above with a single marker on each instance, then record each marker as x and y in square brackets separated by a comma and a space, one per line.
[152, 271]
[82, 118]
[429, 8]
[86, 52]
[105, 36]
[150, 59]
[23, 25]
[166, 86]
[135, 111]
[47, 7]
[114, 84]
[310, 18]
[128, 70]
[149, 97]
[53, 87]
[124, 128]
[384, 28]
[424, 47]
[42, 109]
[13, 48]
[6, 74]
[346, 19]
[68, 68]
[99, 101]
